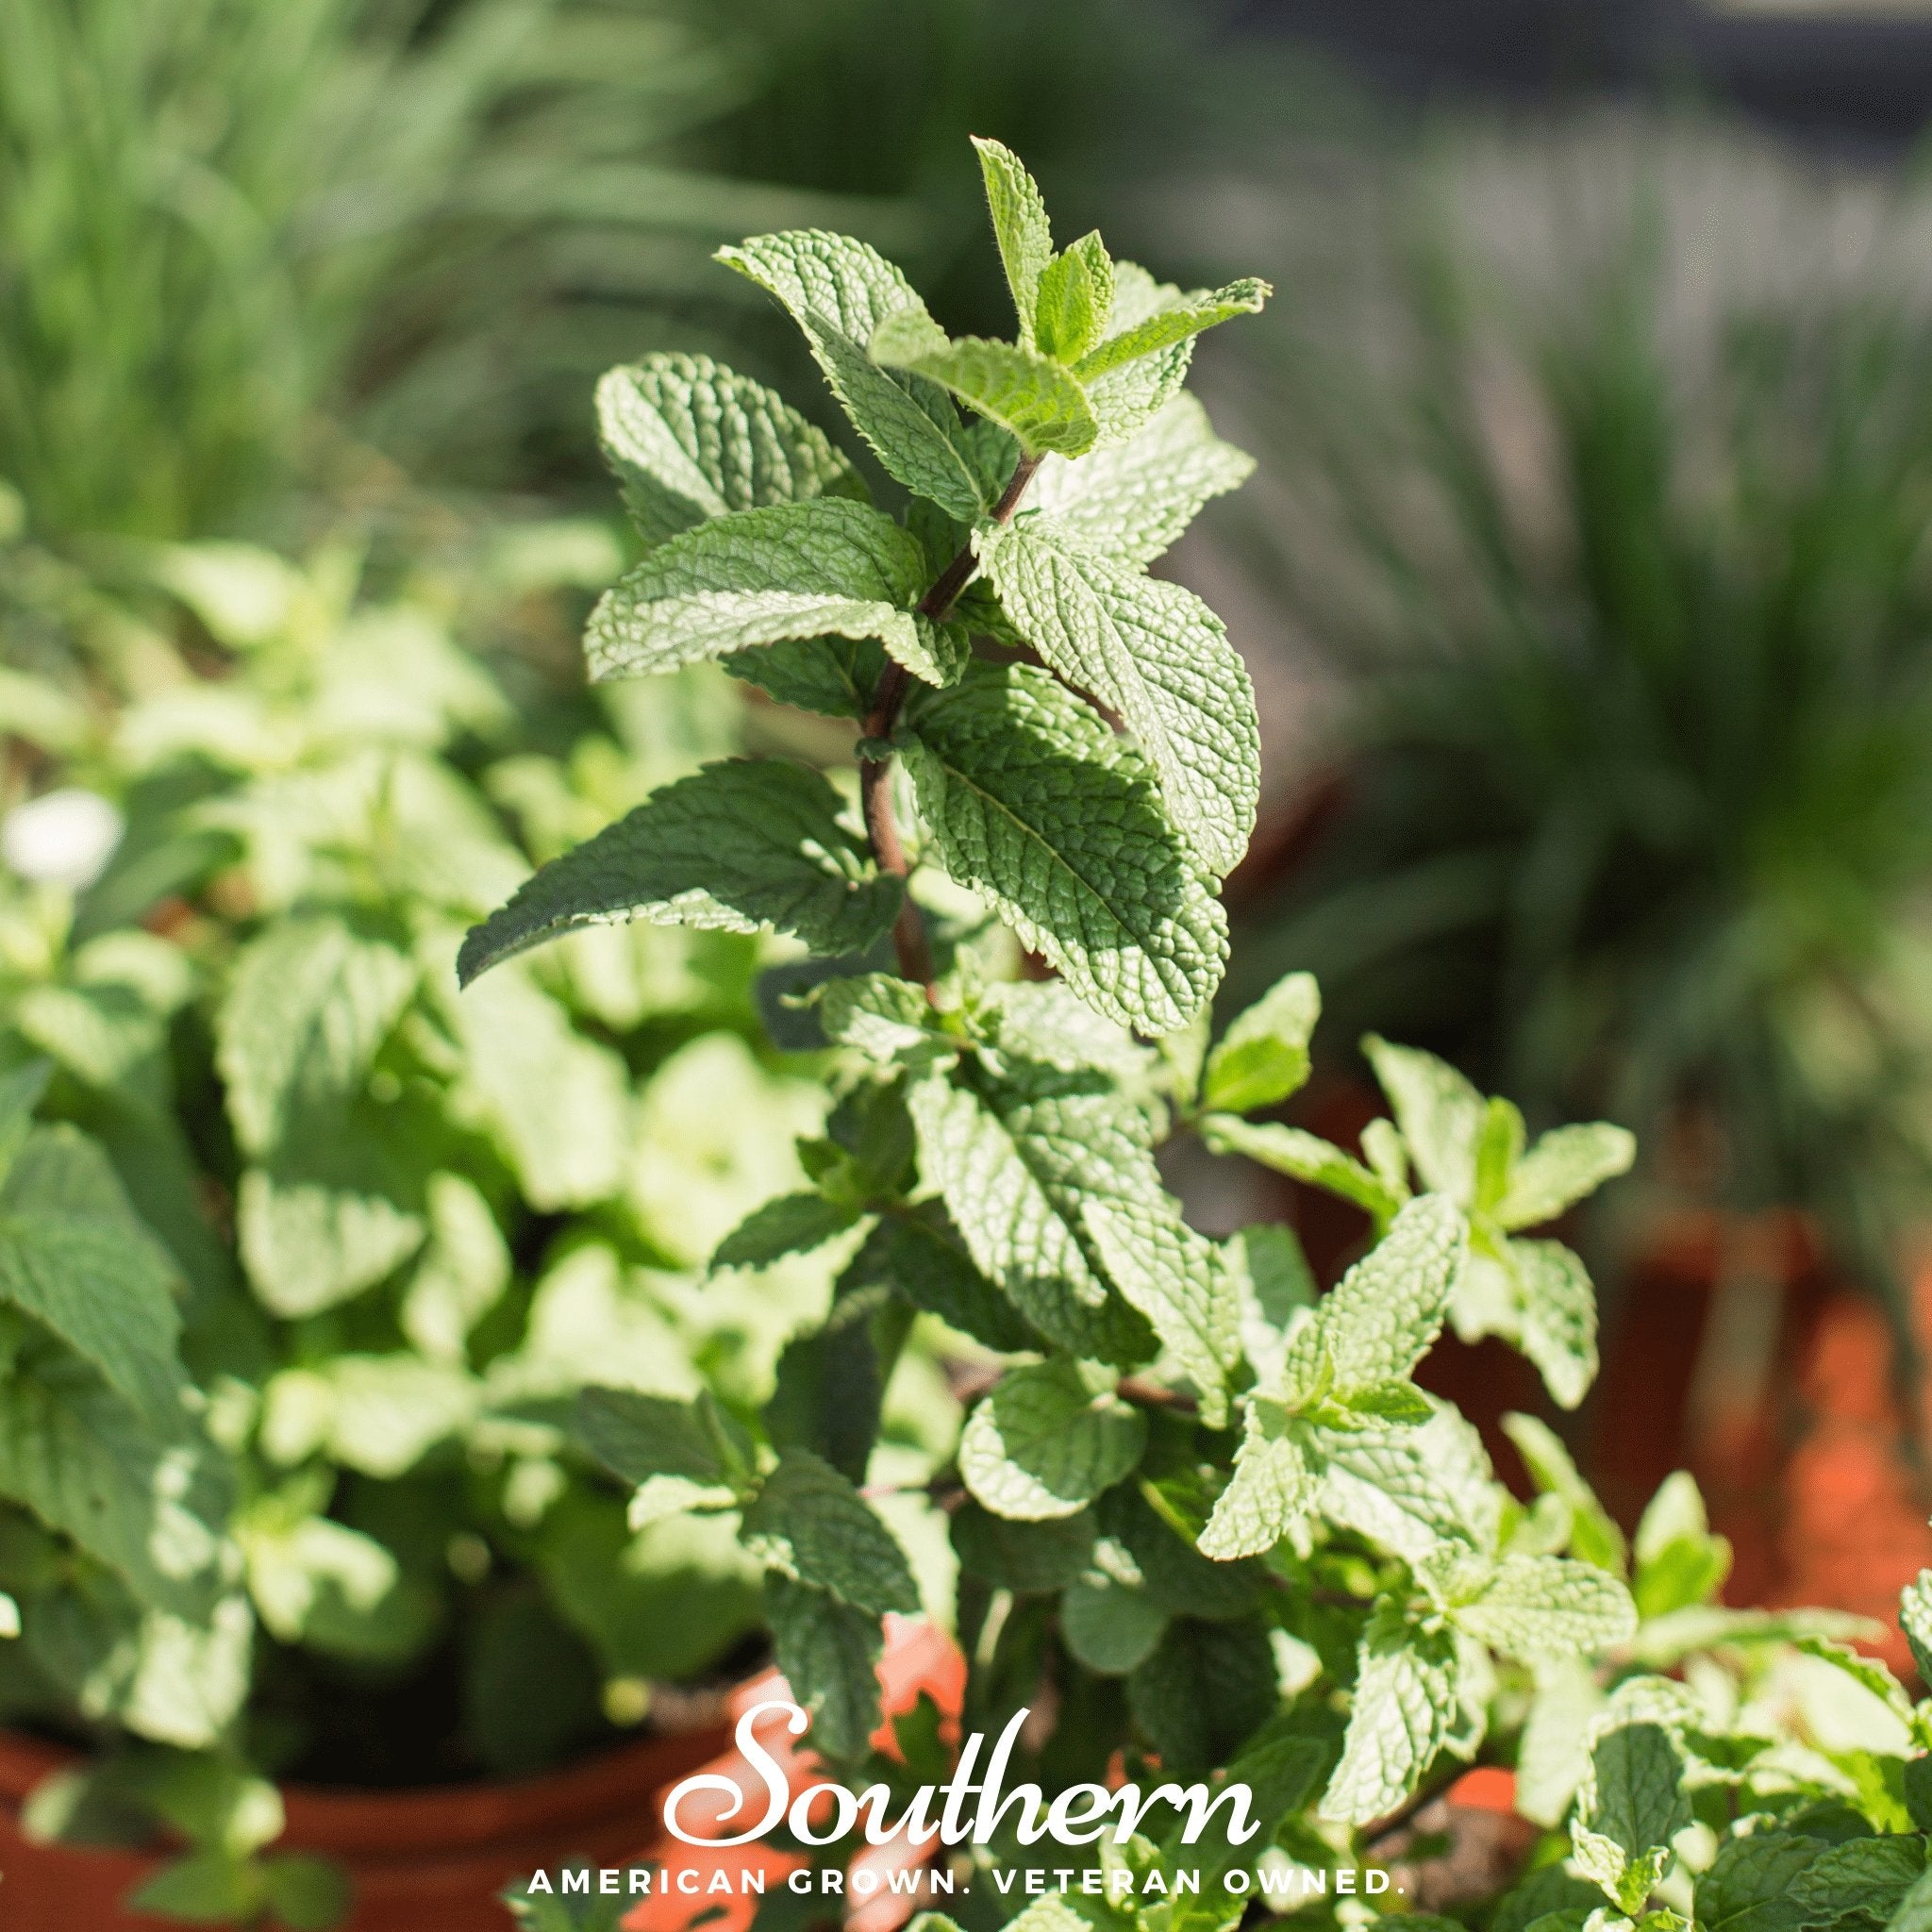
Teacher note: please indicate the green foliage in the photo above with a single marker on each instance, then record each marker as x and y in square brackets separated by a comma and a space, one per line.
[1633, 651]
[1201, 1512]
[190, 293]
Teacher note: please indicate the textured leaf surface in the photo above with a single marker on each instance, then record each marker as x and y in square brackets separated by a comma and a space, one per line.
[1860, 1882]
[828, 1651]
[690, 439]
[918, 1251]
[1559, 1317]
[1272, 1486]
[73, 1256]
[810, 1523]
[1129, 501]
[638, 1437]
[310, 1004]
[1564, 1166]
[1031, 1557]
[1034, 802]
[1537, 1606]
[1180, 1282]
[1175, 323]
[1202, 1692]
[737, 846]
[1016, 1164]
[1915, 1620]
[765, 577]
[1018, 224]
[1044, 1443]
[1380, 1319]
[1439, 1113]
[1748, 1886]
[1404, 1702]
[1155, 655]
[791, 1225]
[838, 290]
[1632, 1806]
[1034, 400]
[1303, 1157]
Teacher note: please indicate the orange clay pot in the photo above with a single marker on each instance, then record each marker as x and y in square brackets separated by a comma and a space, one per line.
[435, 1860]
[419, 1861]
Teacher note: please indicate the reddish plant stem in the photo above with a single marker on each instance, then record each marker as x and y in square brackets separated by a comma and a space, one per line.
[875, 774]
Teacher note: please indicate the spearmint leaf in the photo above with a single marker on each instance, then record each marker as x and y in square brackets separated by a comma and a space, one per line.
[837, 677]
[1564, 1166]
[638, 1437]
[1405, 1700]
[1558, 1316]
[75, 1256]
[1033, 801]
[1175, 323]
[1029, 1557]
[791, 1225]
[1017, 1163]
[1914, 1911]
[1034, 400]
[1179, 1281]
[1155, 655]
[690, 439]
[918, 1252]
[1272, 1486]
[1203, 1692]
[310, 1003]
[1594, 1536]
[1748, 1886]
[1859, 1884]
[1109, 1626]
[1073, 300]
[1019, 225]
[1410, 1489]
[1303, 1156]
[887, 1019]
[1380, 1319]
[1129, 501]
[1631, 1806]
[1915, 1620]
[738, 846]
[148, 1508]
[1263, 1056]
[838, 290]
[1439, 1113]
[810, 1523]
[1047, 1439]
[1537, 1606]
[766, 576]
[829, 1651]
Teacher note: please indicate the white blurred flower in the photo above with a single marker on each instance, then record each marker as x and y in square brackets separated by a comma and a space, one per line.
[63, 838]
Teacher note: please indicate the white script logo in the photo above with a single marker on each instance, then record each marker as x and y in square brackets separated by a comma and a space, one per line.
[1080, 1815]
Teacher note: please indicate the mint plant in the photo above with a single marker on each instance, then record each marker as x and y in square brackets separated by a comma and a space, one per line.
[1203, 1516]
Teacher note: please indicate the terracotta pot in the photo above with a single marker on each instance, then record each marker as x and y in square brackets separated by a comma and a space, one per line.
[421, 1861]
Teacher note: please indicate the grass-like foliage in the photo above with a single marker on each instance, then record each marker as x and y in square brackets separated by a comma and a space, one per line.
[1203, 1516]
